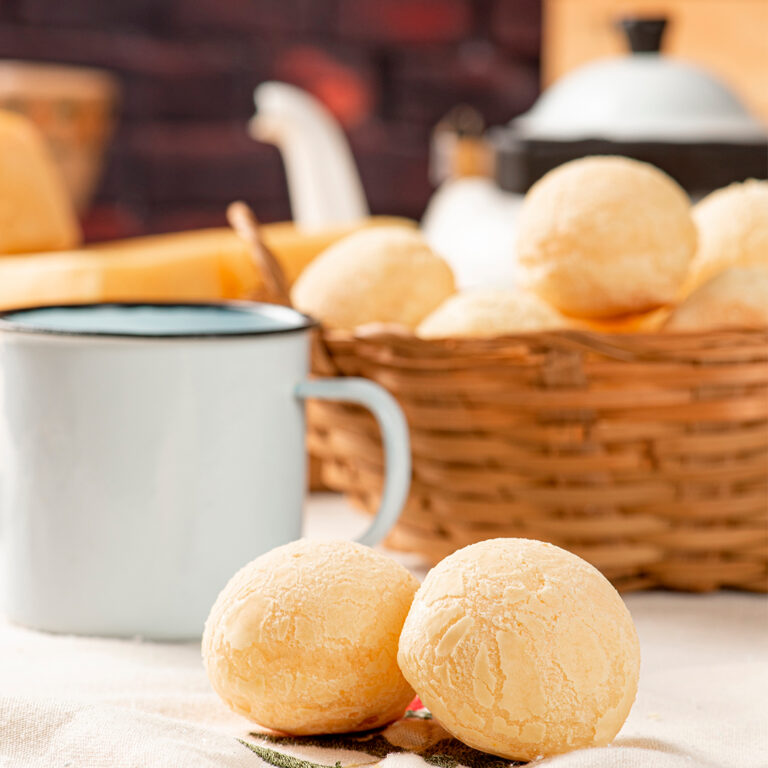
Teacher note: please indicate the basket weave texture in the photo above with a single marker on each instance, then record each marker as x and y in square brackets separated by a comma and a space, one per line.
[645, 454]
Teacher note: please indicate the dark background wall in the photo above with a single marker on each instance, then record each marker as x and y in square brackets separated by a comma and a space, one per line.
[388, 69]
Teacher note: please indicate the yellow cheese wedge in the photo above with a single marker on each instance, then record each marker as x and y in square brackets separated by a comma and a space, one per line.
[199, 265]
[158, 268]
[36, 214]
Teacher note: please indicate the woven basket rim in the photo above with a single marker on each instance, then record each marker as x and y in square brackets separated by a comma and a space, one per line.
[620, 346]
[392, 331]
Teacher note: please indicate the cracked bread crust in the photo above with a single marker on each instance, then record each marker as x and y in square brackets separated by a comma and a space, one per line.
[377, 275]
[521, 649]
[736, 298]
[304, 638]
[732, 223]
[606, 236]
[488, 312]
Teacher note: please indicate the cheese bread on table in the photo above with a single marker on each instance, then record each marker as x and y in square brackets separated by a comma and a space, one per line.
[304, 638]
[521, 649]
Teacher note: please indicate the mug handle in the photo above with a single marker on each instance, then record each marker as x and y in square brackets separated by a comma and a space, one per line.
[394, 432]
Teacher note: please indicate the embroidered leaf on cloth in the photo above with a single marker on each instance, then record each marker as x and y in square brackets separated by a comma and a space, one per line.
[414, 740]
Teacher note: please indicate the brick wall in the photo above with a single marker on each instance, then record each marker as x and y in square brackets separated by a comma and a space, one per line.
[389, 69]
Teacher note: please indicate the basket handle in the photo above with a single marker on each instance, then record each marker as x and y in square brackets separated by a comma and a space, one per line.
[242, 219]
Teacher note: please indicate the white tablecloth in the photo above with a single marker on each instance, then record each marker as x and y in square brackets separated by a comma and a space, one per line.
[94, 703]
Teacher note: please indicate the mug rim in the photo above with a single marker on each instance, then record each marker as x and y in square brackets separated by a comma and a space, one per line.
[305, 322]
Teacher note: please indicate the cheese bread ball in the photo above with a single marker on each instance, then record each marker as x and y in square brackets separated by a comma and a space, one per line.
[490, 312]
[383, 274]
[521, 649]
[605, 236]
[736, 298]
[304, 639]
[733, 230]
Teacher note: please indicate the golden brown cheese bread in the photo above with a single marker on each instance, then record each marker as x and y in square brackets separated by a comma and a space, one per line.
[736, 298]
[485, 313]
[521, 649]
[733, 231]
[385, 274]
[606, 236]
[304, 638]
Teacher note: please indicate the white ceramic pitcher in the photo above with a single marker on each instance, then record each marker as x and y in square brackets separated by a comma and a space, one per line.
[149, 451]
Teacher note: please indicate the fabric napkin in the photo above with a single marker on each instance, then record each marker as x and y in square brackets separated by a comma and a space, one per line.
[69, 702]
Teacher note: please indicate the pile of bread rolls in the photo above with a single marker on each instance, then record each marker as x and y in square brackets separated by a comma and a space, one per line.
[519, 648]
[604, 243]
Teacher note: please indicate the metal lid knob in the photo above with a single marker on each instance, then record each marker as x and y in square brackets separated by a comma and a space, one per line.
[644, 35]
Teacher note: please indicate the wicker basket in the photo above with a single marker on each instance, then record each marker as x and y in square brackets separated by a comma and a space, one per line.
[645, 454]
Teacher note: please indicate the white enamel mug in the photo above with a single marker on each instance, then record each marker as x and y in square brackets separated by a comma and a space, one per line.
[149, 451]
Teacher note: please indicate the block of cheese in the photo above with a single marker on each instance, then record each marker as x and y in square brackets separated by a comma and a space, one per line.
[191, 267]
[198, 265]
[36, 213]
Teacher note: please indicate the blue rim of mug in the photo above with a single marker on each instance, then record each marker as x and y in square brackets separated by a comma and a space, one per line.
[305, 322]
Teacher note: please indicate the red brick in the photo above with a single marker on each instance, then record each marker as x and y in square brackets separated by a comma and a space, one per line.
[517, 25]
[190, 98]
[127, 52]
[9, 10]
[181, 218]
[200, 165]
[392, 159]
[425, 86]
[147, 15]
[405, 21]
[213, 140]
[238, 16]
[232, 16]
[160, 79]
[109, 221]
